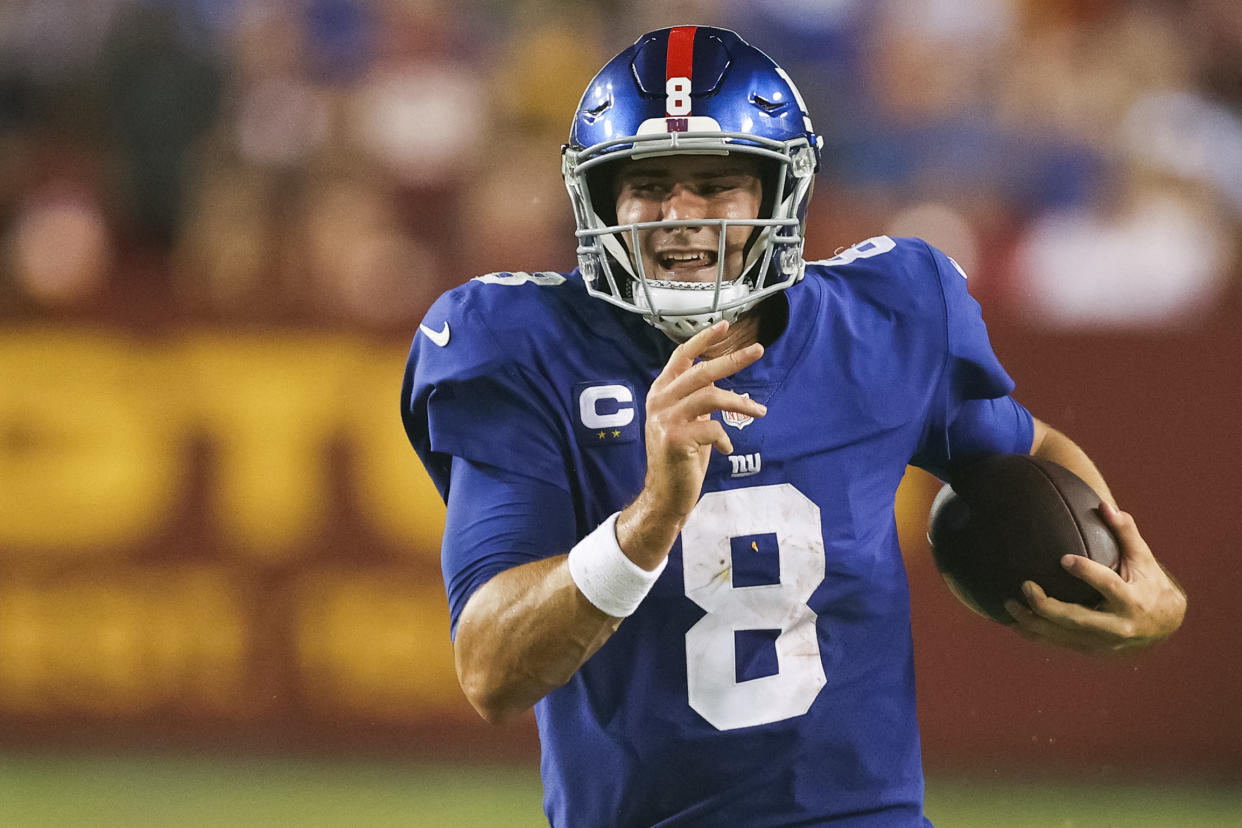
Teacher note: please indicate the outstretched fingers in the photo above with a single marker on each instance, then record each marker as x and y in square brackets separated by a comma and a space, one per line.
[687, 370]
[684, 355]
[705, 372]
[704, 401]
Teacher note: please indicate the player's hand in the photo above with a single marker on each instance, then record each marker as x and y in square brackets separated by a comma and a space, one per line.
[680, 431]
[680, 434]
[1142, 603]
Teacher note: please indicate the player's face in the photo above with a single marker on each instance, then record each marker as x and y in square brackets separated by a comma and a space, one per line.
[684, 188]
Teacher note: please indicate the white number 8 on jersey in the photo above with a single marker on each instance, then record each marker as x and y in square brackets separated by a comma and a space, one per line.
[714, 691]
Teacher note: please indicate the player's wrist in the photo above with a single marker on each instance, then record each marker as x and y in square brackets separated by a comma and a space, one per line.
[646, 530]
[606, 576]
[666, 506]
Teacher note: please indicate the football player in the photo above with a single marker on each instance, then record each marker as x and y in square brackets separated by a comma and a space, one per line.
[670, 474]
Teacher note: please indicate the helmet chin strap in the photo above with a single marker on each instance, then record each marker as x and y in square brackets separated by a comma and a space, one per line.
[678, 310]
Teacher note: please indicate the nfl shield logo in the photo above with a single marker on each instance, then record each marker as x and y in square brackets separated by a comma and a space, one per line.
[738, 421]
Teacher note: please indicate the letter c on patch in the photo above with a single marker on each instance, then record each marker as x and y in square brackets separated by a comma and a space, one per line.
[589, 406]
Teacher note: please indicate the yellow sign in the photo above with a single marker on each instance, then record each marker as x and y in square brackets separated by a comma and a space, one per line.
[189, 521]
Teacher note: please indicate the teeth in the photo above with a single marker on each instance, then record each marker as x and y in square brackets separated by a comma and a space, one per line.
[671, 259]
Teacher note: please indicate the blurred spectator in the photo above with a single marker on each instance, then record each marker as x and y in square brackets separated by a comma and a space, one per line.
[52, 43]
[1213, 33]
[421, 109]
[516, 214]
[161, 94]
[356, 257]
[1184, 135]
[422, 121]
[59, 247]
[229, 247]
[1159, 258]
[542, 69]
[1156, 248]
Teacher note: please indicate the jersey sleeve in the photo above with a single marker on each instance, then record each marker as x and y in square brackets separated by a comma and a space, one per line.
[467, 393]
[972, 412]
[497, 520]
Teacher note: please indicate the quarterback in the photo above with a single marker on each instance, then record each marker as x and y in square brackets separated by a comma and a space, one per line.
[670, 473]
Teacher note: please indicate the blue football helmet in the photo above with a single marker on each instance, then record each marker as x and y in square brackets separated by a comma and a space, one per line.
[694, 90]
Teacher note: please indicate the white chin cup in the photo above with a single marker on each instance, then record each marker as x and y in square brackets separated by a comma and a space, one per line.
[682, 309]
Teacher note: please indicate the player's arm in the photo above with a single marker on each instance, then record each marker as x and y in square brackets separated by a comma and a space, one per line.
[528, 629]
[1143, 604]
[523, 634]
[1050, 444]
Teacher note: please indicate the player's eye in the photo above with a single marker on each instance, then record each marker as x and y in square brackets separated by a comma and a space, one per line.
[648, 188]
[718, 186]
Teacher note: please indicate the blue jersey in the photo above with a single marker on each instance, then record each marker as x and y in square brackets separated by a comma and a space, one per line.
[767, 678]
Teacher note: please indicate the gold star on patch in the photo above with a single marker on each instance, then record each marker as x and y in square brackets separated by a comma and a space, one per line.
[616, 433]
[601, 435]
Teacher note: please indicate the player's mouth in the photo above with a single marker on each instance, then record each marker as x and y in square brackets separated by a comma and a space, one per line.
[685, 265]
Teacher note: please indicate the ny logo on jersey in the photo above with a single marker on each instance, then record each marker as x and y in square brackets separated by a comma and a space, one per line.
[744, 465]
[606, 413]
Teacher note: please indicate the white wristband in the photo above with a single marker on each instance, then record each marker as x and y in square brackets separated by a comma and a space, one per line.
[609, 580]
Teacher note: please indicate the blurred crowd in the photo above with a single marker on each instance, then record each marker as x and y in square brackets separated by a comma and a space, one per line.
[342, 162]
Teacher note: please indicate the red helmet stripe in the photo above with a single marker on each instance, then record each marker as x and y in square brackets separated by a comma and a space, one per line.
[680, 62]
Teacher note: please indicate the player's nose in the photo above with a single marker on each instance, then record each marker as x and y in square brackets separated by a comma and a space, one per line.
[683, 204]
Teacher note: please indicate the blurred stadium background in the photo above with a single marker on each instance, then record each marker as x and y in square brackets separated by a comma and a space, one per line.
[221, 220]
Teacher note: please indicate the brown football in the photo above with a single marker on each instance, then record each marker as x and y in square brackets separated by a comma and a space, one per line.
[1009, 518]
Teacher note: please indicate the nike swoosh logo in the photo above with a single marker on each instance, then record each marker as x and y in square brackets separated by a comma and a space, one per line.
[440, 337]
